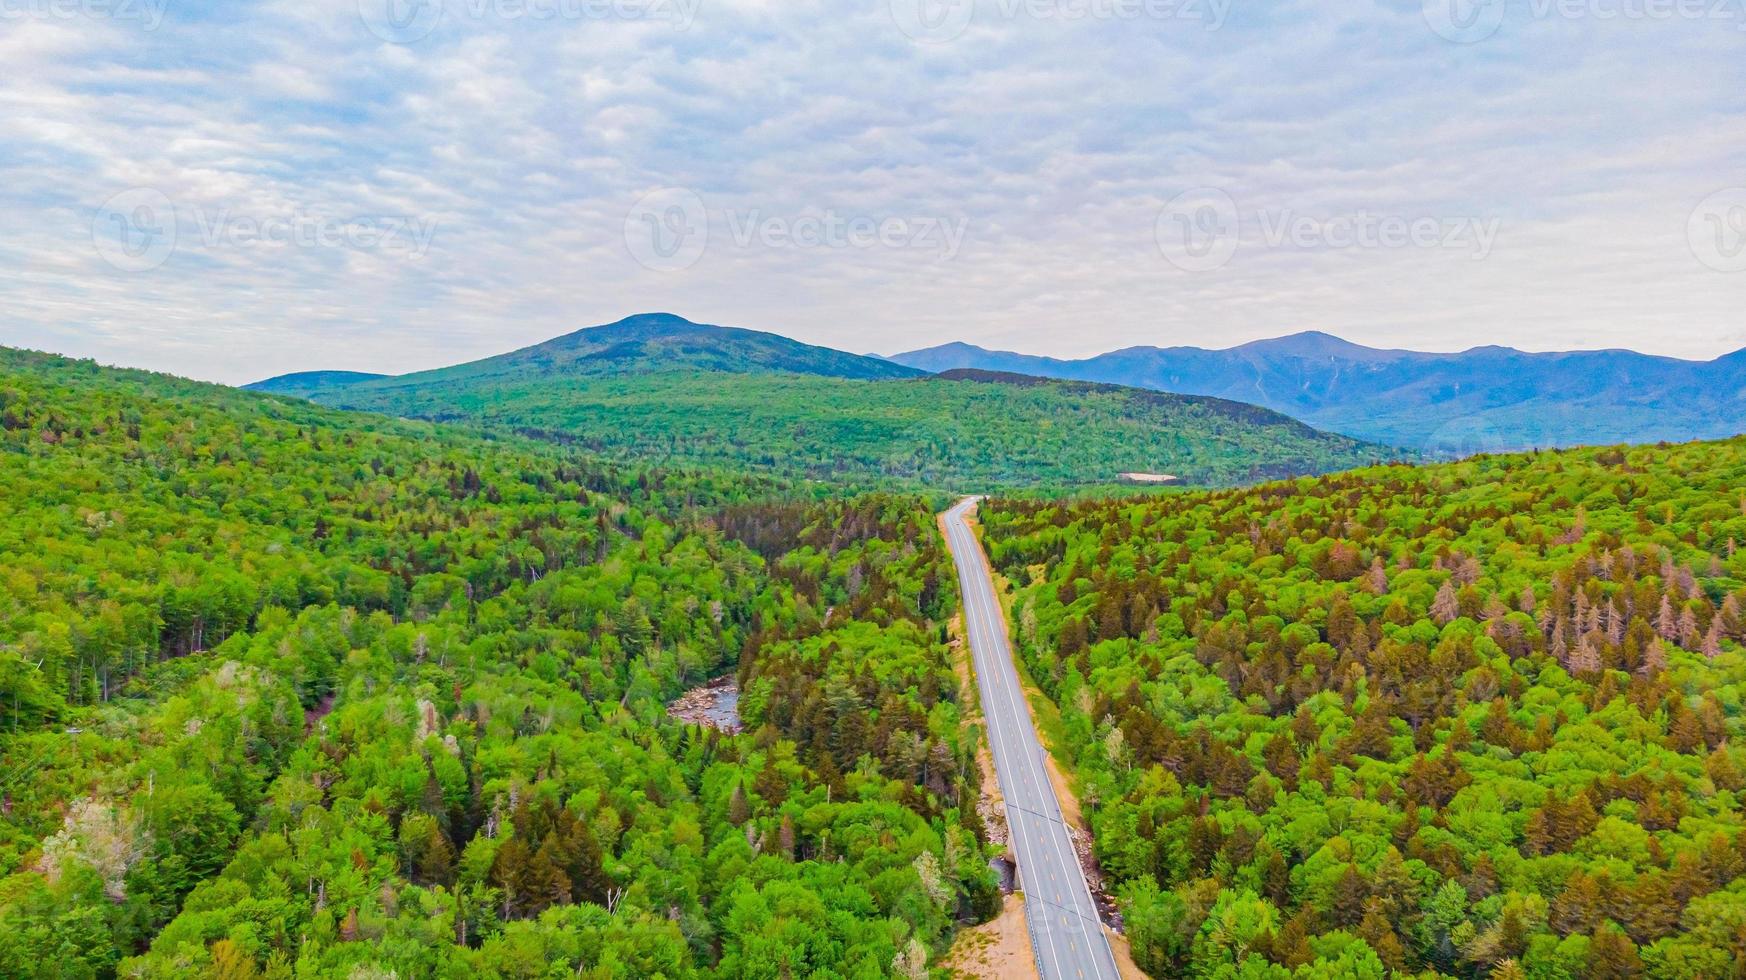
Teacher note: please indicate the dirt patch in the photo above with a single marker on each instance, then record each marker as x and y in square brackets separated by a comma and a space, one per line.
[995, 950]
[313, 716]
[991, 806]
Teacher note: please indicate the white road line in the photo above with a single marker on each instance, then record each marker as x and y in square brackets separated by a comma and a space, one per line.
[1061, 848]
[1003, 764]
[1020, 771]
[1029, 867]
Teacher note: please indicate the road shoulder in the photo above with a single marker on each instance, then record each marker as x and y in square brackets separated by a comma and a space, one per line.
[1001, 947]
[995, 950]
[1047, 718]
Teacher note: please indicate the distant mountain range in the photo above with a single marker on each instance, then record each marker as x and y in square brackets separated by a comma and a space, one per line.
[1484, 399]
[306, 383]
[661, 388]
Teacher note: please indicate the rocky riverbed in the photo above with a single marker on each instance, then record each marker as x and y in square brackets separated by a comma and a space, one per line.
[714, 705]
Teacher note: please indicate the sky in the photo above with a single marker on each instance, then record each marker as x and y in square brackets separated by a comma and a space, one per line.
[240, 189]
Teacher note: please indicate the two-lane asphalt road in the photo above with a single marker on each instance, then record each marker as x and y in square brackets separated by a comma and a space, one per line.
[1066, 934]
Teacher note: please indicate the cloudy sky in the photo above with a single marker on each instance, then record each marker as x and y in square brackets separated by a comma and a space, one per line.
[235, 189]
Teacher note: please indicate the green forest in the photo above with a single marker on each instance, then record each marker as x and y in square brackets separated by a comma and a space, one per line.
[289, 692]
[929, 434]
[1468, 720]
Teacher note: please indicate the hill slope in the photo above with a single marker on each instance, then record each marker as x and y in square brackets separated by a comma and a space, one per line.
[638, 344]
[1416, 721]
[667, 390]
[280, 684]
[1488, 398]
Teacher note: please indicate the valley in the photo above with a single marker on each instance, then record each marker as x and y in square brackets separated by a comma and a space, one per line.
[438, 696]
[919, 489]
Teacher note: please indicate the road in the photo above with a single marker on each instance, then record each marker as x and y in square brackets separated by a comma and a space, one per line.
[1066, 934]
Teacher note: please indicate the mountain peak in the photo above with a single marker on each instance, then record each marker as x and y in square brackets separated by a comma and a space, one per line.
[299, 384]
[640, 326]
[646, 343]
[953, 349]
[654, 320]
[1311, 343]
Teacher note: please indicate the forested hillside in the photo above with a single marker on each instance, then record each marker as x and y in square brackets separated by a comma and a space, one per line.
[1476, 719]
[287, 691]
[650, 342]
[965, 433]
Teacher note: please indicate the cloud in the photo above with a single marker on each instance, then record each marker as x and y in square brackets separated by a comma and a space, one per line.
[522, 133]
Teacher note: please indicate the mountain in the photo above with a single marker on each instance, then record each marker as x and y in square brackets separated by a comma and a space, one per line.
[663, 342]
[641, 343]
[660, 388]
[1487, 398]
[303, 383]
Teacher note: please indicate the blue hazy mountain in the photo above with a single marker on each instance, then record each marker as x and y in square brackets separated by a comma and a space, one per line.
[305, 383]
[1487, 398]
